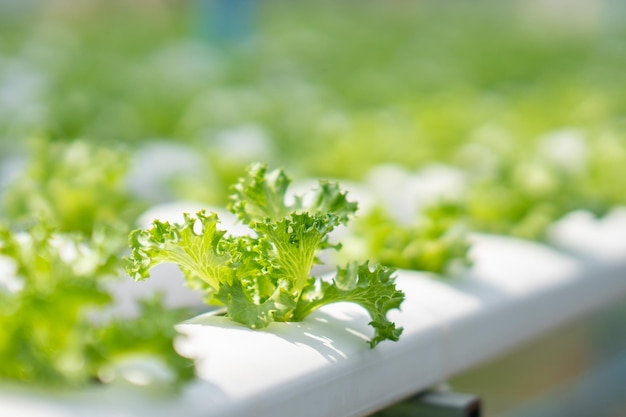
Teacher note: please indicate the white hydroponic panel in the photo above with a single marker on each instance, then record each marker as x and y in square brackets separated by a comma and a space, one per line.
[323, 367]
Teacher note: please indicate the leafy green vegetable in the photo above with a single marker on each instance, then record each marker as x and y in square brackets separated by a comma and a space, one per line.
[524, 193]
[435, 241]
[266, 277]
[75, 186]
[148, 336]
[52, 288]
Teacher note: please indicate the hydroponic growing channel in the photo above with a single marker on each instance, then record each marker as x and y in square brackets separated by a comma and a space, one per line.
[323, 367]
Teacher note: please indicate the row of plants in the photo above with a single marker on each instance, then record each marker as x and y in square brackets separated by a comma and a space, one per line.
[71, 214]
[431, 133]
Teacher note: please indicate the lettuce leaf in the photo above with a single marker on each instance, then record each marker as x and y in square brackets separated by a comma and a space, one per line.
[75, 186]
[435, 241]
[53, 290]
[266, 277]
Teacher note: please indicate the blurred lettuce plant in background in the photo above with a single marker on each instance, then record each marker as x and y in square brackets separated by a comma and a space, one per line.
[75, 186]
[55, 332]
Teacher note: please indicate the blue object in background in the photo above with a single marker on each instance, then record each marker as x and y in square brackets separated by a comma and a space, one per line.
[225, 21]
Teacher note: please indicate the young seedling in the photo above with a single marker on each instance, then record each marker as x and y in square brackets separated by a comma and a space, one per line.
[265, 277]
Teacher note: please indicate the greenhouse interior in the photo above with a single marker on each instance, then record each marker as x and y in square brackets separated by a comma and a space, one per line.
[290, 208]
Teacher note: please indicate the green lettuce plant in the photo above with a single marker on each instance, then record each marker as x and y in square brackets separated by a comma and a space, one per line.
[265, 277]
[55, 332]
